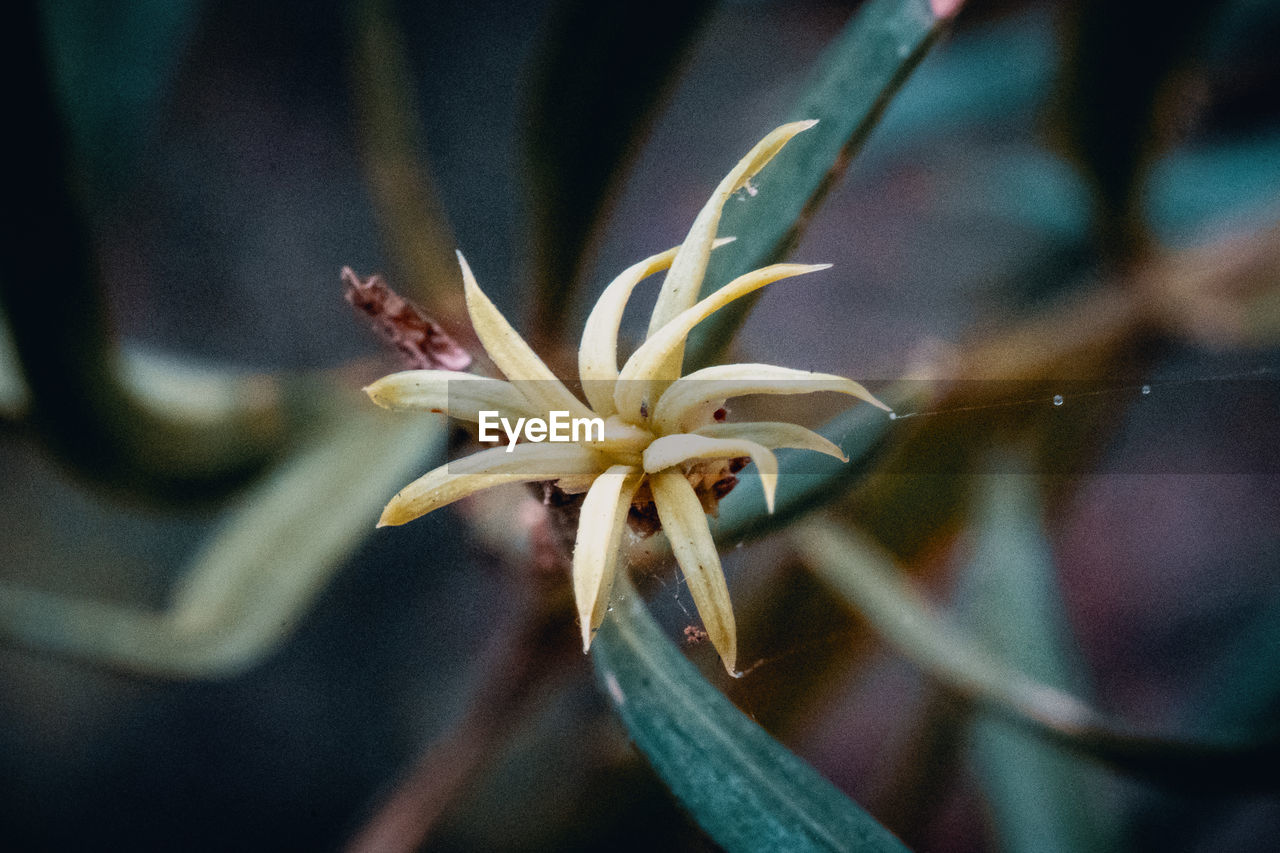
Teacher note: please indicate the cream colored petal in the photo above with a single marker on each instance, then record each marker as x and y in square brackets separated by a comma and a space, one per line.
[684, 281]
[623, 439]
[775, 435]
[493, 467]
[595, 553]
[598, 352]
[692, 394]
[459, 395]
[671, 450]
[517, 361]
[685, 524]
[642, 379]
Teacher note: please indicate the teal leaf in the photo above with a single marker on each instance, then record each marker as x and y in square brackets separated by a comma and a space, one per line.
[1042, 798]
[851, 87]
[746, 790]
[603, 70]
[256, 575]
[112, 66]
[965, 661]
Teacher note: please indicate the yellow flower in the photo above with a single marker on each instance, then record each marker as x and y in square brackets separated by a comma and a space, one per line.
[661, 445]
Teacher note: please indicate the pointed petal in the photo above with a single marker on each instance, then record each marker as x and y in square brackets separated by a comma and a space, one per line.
[622, 439]
[598, 352]
[595, 553]
[517, 361]
[684, 281]
[459, 395]
[488, 468]
[775, 435]
[690, 395]
[642, 379]
[671, 450]
[685, 524]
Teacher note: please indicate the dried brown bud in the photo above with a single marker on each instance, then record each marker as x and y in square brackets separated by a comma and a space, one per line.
[422, 342]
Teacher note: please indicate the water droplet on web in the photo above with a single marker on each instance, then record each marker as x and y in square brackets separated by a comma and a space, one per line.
[893, 416]
[1146, 389]
[1057, 399]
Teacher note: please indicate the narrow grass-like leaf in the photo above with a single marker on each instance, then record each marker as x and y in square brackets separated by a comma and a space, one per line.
[851, 86]
[604, 68]
[868, 579]
[1042, 798]
[746, 790]
[254, 578]
[78, 395]
[415, 227]
[112, 67]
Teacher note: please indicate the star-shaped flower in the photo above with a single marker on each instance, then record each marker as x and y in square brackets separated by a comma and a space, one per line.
[662, 446]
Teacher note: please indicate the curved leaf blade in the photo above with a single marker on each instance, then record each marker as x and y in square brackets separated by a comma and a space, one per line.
[746, 790]
[1042, 798]
[852, 84]
[596, 83]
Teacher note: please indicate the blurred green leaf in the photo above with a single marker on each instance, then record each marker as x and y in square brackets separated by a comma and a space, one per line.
[14, 398]
[868, 579]
[746, 790]
[112, 64]
[1243, 693]
[1120, 61]
[80, 397]
[605, 66]
[255, 577]
[1042, 798]
[991, 76]
[416, 230]
[1228, 184]
[851, 87]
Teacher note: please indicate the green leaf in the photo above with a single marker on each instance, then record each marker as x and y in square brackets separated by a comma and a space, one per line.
[112, 65]
[852, 84]
[1115, 73]
[1042, 798]
[866, 577]
[78, 393]
[604, 69]
[1251, 664]
[257, 574]
[746, 790]
[414, 225]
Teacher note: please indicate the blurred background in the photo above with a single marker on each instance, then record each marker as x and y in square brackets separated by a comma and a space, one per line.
[1061, 193]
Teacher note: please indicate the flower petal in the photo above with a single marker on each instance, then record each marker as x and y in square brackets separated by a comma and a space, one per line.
[642, 379]
[775, 435]
[623, 440]
[684, 281]
[598, 352]
[595, 553]
[517, 361]
[690, 394]
[459, 395]
[671, 450]
[685, 524]
[493, 467]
